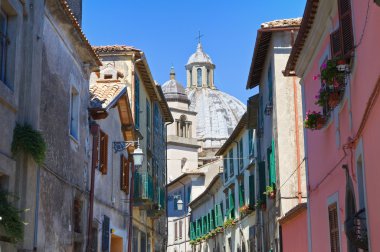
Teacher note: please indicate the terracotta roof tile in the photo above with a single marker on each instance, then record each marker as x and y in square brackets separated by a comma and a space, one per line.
[114, 48]
[282, 23]
[103, 95]
[74, 21]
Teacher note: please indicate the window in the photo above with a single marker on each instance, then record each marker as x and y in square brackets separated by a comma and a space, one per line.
[137, 102]
[124, 174]
[271, 158]
[334, 227]
[175, 231]
[183, 127]
[241, 193]
[345, 20]
[231, 210]
[252, 190]
[3, 44]
[262, 182]
[74, 114]
[148, 125]
[225, 169]
[231, 157]
[250, 143]
[191, 77]
[188, 193]
[180, 229]
[208, 77]
[103, 152]
[270, 83]
[241, 152]
[199, 77]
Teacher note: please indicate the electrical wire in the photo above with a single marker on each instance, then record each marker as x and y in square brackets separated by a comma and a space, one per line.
[365, 25]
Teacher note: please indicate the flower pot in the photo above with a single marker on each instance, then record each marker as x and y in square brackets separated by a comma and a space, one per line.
[263, 206]
[334, 99]
[341, 65]
[320, 123]
[272, 195]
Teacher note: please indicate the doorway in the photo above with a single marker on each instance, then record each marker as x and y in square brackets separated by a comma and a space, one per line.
[116, 243]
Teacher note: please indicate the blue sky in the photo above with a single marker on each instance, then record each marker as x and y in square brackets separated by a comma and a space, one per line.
[166, 31]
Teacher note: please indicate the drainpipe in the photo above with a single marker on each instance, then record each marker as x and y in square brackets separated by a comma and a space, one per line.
[94, 129]
[295, 99]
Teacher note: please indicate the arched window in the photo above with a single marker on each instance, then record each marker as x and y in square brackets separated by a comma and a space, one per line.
[199, 77]
[183, 127]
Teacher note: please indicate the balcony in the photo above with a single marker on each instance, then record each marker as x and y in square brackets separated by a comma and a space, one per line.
[158, 207]
[143, 189]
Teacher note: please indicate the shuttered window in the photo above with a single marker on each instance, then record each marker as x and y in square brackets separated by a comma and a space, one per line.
[241, 159]
[212, 219]
[124, 174]
[334, 227]
[148, 124]
[192, 231]
[231, 157]
[241, 194]
[272, 166]
[262, 182]
[336, 44]
[225, 169]
[231, 210]
[250, 142]
[347, 35]
[252, 190]
[137, 101]
[103, 152]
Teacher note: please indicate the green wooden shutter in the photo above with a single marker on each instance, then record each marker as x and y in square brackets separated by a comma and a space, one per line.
[262, 182]
[252, 190]
[241, 195]
[191, 231]
[231, 210]
[272, 165]
[212, 222]
[219, 215]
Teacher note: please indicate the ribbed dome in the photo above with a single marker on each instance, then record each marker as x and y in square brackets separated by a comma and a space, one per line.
[217, 115]
[173, 90]
[199, 56]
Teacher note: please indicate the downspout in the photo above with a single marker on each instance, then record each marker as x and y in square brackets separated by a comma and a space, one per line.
[94, 129]
[296, 118]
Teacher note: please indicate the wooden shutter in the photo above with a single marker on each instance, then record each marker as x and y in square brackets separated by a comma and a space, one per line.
[272, 165]
[241, 194]
[252, 190]
[334, 227]
[336, 43]
[212, 219]
[124, 174]
[103, 152]
[347, 35]
[220, 215]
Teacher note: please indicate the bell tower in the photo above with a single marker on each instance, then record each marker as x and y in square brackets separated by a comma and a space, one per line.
[200, 70]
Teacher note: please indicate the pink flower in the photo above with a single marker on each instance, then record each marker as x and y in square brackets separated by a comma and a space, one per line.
[316, 77]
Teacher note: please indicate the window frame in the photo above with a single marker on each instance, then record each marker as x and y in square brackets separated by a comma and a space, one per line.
[199, 77]
[74, 114]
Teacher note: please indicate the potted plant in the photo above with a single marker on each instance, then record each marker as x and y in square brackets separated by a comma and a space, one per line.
[219, 230]
[330, 72]
[334, 98]
[270, 191]
[245, 210]
[322, 96]
[314, 120]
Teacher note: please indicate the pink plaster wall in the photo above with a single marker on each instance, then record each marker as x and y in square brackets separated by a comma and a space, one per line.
[325, 146]
[294, 234]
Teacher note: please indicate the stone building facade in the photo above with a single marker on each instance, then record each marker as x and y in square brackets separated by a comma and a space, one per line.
[150, 113]
[47, 63]
[280, 149]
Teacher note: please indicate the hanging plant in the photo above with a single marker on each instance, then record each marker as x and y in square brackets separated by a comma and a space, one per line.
[11, 226]
[331, 73]
[229, 223]
[28, 140]
[270, 191]
[314, 120]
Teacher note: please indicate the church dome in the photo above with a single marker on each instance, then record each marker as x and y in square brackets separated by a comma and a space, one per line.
[199, 56]
[173, 90]
[217, 115]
